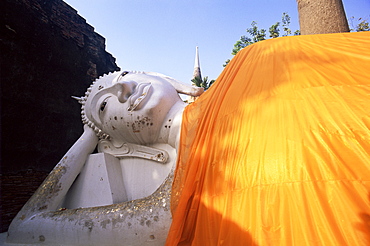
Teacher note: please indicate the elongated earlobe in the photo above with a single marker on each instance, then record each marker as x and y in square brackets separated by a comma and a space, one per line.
[190, 90]
[179, 87]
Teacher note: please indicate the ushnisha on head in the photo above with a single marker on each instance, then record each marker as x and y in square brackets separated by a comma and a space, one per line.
[131, 106]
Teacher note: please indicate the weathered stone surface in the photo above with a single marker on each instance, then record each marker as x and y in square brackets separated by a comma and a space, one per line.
[48, 53]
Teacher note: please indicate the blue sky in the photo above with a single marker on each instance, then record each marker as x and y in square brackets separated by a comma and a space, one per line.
[161, 35]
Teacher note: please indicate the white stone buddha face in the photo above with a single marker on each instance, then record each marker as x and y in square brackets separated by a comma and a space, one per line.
[131, 107]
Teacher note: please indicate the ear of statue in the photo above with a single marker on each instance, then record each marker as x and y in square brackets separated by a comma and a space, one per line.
[191, 91]
[184, 88]
[180, 87]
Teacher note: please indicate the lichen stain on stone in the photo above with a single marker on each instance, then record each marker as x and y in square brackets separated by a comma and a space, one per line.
[42, 238]
[148, 223]
[118, 220]
[104, 223]
[142, 221]
[89, 224]
[140, 123]
[43, 207]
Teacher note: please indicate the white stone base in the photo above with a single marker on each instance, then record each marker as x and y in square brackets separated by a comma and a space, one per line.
[99, 183]
[106, 180]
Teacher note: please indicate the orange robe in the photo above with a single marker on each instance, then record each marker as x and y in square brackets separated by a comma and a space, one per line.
[277, 151]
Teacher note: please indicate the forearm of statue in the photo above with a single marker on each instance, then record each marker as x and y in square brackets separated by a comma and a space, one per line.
[52, 191]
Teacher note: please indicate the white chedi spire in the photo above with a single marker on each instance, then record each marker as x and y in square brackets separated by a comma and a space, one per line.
[197, 72]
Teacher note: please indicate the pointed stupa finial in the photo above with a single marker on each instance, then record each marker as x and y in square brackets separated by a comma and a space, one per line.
[197, 72]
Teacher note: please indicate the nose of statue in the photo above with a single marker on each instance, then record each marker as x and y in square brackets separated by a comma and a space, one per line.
[125, 90]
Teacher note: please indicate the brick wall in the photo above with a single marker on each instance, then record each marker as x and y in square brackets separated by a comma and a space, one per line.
[48, 54]
[16, 189]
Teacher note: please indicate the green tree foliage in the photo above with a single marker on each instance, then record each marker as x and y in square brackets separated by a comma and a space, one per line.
[257, 35]
[359, 25]
[205, 83]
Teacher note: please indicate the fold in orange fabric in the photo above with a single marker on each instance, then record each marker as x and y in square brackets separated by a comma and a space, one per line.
[277, 151]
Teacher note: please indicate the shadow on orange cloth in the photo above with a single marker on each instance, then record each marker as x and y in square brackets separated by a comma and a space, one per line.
[277, 151]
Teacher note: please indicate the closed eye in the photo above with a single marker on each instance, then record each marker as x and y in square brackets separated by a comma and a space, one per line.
[102, 105]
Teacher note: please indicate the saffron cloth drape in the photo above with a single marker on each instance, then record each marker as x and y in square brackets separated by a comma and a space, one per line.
[277, 151]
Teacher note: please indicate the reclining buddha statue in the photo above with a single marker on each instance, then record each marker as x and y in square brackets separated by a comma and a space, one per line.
[133, 117]
[276, 152]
